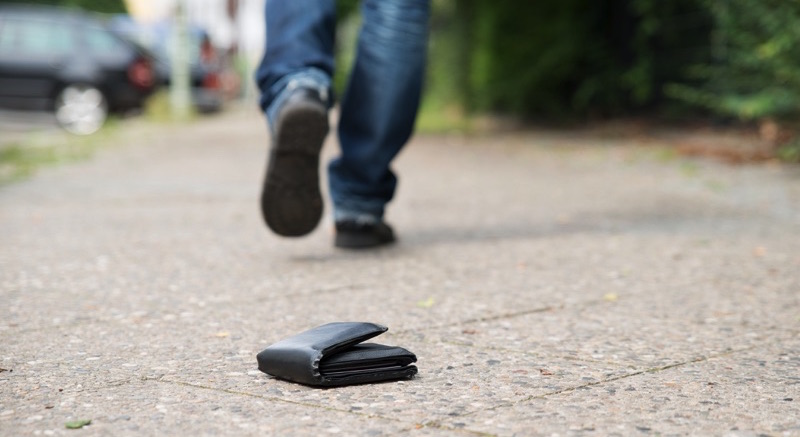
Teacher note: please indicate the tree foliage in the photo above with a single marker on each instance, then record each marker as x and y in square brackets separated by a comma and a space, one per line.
[567, 58]
[105, 6]
[555, 58]
[754, 71]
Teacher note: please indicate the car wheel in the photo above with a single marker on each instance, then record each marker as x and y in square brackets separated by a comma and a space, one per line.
[81, 109]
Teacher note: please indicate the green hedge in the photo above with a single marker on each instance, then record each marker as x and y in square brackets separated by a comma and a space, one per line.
[579, 58]
[754, 72]
[575, 57]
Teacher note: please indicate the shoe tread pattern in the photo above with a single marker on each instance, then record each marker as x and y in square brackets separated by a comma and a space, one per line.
[291, 201]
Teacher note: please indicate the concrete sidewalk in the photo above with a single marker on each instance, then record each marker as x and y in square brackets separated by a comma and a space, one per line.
[550, 283]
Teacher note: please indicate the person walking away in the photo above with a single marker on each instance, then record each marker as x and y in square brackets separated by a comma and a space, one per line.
[378, 112]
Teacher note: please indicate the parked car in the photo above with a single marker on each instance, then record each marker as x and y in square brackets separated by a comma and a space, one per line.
[206, 71]
[69, 62]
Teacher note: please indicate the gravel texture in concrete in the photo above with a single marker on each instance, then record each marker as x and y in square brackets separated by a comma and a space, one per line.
[550, 283]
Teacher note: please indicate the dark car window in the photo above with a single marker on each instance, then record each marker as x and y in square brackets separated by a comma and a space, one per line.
[36, 37]
[101, 41]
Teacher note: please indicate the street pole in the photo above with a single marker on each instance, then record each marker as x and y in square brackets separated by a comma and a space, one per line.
[180, 92]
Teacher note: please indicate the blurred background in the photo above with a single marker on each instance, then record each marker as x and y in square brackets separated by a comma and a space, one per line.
[721, 62]
[84, 61]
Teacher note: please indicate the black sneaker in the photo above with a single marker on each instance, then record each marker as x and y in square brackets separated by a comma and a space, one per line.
[291, 202]
[352, 234]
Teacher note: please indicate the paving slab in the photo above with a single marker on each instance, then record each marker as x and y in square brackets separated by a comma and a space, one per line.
[640, 331]
[149, 407]
[549, 282]
[751, 392]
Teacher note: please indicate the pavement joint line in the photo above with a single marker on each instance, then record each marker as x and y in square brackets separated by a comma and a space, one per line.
[160, 379]
[510, 315]
[304, 295]
[72, 324]
[617, 378]
[439, 426]
[585, 304]
[563, 357]
[519, 352]
[76, 323]
[402, 331]
[103, 386]
[481, 319]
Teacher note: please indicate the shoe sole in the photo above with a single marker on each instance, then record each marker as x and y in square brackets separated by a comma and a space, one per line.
[291, 202]
[355, 240]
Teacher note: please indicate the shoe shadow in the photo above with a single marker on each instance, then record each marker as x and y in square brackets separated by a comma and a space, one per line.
[672, 217]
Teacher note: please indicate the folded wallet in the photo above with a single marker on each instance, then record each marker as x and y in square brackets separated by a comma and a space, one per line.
[333, 355]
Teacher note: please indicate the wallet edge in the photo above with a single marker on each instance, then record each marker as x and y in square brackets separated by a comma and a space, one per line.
[311, 354]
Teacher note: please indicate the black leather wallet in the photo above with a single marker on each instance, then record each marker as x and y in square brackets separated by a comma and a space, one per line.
[334, 355]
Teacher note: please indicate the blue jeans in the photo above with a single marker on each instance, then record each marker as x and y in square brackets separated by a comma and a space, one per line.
[379, 107]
